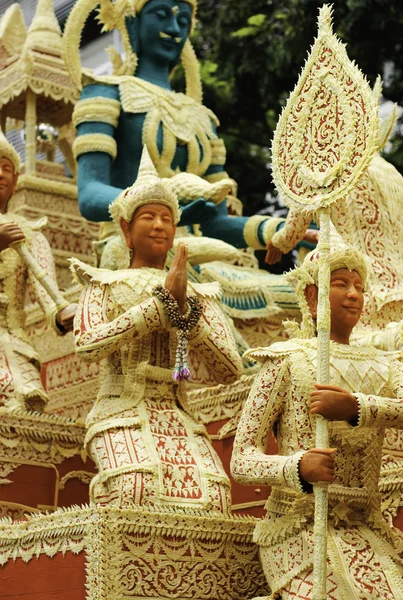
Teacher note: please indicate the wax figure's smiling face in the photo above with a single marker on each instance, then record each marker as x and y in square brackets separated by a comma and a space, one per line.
[346, 301]
[151, 231]
[346, 298]
[8, 181]
[164, 27]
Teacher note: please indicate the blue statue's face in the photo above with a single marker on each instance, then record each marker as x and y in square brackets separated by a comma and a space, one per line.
[164, 27]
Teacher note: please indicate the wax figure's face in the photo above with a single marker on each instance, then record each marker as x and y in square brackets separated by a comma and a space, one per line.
[346, 299]
[8, 181]
[151, 231]
[163, 29]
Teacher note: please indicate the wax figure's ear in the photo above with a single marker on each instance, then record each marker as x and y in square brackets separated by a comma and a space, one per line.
[16, 175]
[125, 227]
[15, 180]
[311, 295]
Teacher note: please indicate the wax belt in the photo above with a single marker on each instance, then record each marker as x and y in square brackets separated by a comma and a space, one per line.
[152, 373]
[342, 500]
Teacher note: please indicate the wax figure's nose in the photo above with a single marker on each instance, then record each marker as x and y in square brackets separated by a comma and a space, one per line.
[158, 223]
[352, 291]
[172, 27]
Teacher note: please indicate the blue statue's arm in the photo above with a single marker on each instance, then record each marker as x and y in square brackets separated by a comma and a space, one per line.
[95, 148]
[241, 232]
[223, 227]
[95, 193]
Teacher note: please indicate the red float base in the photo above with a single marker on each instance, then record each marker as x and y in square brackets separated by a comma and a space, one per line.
[57, 578]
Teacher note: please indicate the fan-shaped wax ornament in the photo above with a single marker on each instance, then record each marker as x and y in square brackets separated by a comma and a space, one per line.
[328, 131]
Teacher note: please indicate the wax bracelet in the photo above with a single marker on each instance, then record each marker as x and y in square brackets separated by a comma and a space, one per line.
[183, 324]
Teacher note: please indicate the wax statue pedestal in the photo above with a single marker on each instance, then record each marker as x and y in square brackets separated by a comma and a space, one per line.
[136, 554]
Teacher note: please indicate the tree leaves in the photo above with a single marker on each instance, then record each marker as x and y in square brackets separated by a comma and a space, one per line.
[251, 54]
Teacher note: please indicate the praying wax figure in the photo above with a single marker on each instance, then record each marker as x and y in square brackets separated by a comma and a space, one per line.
[148, 450]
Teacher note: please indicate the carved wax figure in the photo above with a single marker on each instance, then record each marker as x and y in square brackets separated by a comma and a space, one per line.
[20, 383]
[147, 449]
[365, 397]
[116, 115]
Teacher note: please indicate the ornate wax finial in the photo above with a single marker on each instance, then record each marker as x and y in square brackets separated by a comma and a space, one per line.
[342, 256]
[148, 188]
[112, 15]
[13, 31]
[328, 131]
[44, 31]
[8, 151]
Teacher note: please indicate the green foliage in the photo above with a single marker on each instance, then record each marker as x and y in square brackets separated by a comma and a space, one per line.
[255, 23]
[251, 54]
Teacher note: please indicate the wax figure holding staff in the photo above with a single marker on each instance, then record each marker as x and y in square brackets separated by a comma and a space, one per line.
[325, 138]
[20, 383]
[148, 450]
[364, 554]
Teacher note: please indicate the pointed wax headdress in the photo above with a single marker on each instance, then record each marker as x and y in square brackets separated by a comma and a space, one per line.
[8, 151]
[148, 188]
[342, 256]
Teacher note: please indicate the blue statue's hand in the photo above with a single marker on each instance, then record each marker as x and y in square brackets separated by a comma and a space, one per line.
[197, 211]
[310, 239]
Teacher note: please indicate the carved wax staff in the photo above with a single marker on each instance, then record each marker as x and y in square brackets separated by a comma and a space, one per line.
[324, 141]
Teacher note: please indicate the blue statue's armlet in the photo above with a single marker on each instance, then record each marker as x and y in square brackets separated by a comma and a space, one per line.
[100, 89]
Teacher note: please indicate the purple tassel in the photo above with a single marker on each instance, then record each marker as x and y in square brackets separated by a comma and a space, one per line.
[181, 373]
[185, 372]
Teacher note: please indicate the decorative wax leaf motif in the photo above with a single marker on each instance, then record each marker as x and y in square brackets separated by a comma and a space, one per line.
[328, 131]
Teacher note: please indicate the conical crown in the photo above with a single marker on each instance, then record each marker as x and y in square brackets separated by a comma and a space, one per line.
[44, 31]
[13, 31]
[342, 256]
[8, 151]
[148, 188]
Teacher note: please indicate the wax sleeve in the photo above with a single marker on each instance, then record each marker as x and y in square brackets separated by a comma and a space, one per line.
[250, 464]
[212, 339]
[96, 336]
[379, 411]
[293, 231]
[42, 253]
